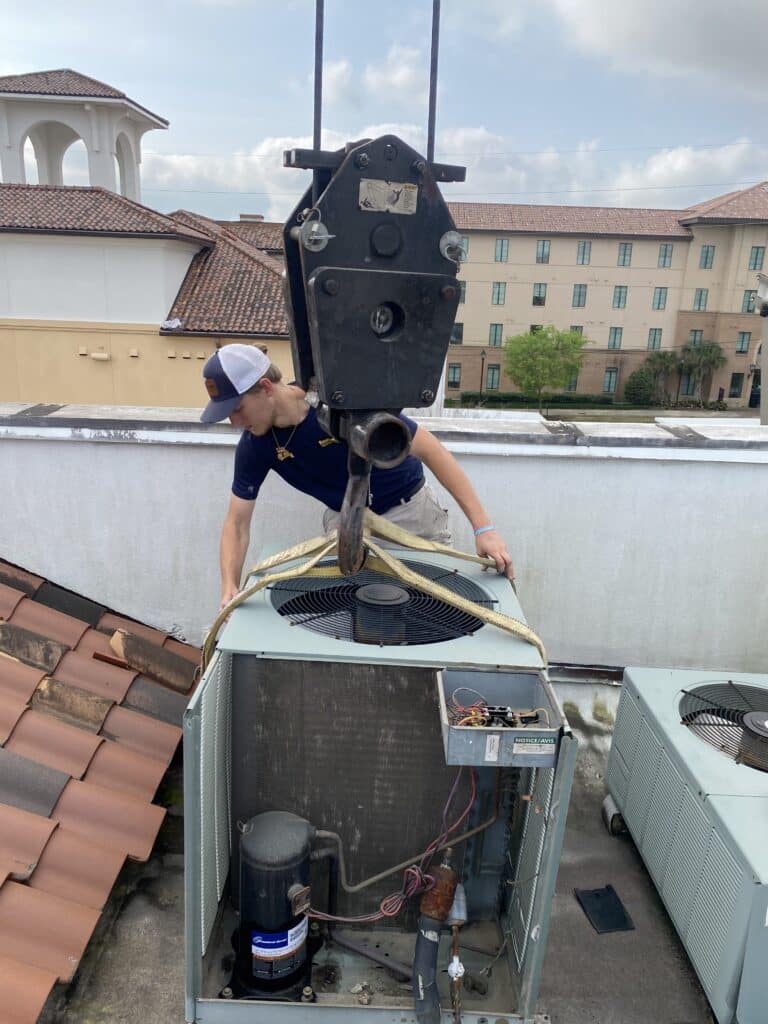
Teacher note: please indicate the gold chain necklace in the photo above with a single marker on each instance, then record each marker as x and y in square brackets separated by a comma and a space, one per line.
[282, 449]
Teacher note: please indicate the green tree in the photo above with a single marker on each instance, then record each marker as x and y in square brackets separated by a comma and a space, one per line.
[701, 361]
[545, 359]
[639, 387]
[662, 366]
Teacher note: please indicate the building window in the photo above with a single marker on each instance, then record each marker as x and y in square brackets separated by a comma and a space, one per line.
[665, 254]
[462, 291]
[583, 253]
[748, 302]
[694, 338]
[659, 298]
[542, 251]
[539, 294]
[502, 250]
[625, 254]
[737, 384]
[687, 385]
[743, 341]
[457, 334]
[756, 257]
[654, 339]
[454, 375]
[706, 257]
[498, 293]
[700, 297]
[610, 379]
[572, 383]
[464, 246]
[492, 374]
[620, 296]
[614, 337]
[579, 296]
[494, 335]
[576, 328]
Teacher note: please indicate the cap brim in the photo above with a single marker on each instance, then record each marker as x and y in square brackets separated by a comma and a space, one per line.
[215, 411]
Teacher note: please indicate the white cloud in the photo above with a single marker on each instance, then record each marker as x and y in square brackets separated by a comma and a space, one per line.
[401, 79]
[337, 78]
[491, 19]
[708, 39]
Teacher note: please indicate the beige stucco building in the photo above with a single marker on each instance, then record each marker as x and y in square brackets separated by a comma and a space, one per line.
[632, 281]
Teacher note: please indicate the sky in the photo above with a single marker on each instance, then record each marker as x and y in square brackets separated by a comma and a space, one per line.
[658, 103]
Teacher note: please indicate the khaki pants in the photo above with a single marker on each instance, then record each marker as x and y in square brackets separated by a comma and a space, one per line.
[421, 514]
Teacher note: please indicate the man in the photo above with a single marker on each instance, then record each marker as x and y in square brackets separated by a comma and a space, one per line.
[281, 432]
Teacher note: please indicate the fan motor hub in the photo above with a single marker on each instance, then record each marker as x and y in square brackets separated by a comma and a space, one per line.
[756, 722]
[381, 595]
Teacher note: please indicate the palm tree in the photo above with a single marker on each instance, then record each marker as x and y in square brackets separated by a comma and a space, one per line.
[701, 361]
[662, 365]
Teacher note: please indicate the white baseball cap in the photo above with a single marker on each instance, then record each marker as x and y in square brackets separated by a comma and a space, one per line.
[228, 374]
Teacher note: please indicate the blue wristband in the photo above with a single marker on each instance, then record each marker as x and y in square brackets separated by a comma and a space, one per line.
[483, 529]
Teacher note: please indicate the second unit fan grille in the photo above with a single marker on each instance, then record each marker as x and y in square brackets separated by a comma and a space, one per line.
[731, 716]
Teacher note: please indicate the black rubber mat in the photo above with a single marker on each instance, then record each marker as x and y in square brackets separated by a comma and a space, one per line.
[604, 909]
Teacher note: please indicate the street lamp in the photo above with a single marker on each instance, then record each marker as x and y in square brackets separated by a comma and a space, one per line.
[482, 375]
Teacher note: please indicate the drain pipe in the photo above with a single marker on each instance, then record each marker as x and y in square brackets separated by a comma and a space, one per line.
[435, 907]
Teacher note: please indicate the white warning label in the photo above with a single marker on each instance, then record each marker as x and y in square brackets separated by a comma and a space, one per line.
[533, 745]
[492, 744]
[388, 196]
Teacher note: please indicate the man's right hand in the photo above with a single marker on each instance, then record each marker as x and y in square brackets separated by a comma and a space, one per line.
[226, 596]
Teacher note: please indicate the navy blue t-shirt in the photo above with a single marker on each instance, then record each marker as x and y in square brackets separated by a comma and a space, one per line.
[317, 468]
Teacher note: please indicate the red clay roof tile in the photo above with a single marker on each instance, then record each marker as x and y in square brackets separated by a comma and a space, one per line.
[37, 618]
[110, 818]
[261, 234]
[66, 82]
[78, 869]
[116, 767]
[24, 991]
[18, 578]
[18, 678]
[12, 707]
[48, 741]
[569, 220]
[28, 784]
[97, 677]
[141, 733]
[44, 930]
[109, 623]
[71, 704]
[30, 647]
[93, 641]
[187, 651]
[151, 698]
[9, 598]
[23, 837]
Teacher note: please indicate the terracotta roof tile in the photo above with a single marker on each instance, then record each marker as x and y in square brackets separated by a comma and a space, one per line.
[29, 647]
[113, 819]
[73, 209]
[18, 578]
[568, 220]
[47, 622]
[44, 930]
[110, 622]
[70, 603]
[193, 654]
[97, 677]
[750, 204]
[231, 289]
[18, 678]
[71, 704]
[23, 837]
[141, 733]
[95, 642]
[29, 785]
[12, 707]
[65, 82]
[76, 868]
[48, 741]
[24, 991]
[115, 766]
[9, 598]
[261, 234]
[149, 697]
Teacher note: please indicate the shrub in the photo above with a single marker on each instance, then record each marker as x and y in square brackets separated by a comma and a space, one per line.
[639, 387]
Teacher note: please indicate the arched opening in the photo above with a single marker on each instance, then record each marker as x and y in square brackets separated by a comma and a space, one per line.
[127, 178]
[44, 152]
[75, 164]
[30, 163]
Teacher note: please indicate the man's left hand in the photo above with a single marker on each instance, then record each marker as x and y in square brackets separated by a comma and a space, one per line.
[491, 545]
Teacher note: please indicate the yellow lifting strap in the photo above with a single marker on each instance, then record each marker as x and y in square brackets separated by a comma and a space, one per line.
[379, 559]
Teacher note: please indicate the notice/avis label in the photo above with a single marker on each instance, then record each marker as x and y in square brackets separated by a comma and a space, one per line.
[388, 196]
[274, 945]
[533, 745]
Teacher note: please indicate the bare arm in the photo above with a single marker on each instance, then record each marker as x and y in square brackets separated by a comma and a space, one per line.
[439, 460]
[235, 536]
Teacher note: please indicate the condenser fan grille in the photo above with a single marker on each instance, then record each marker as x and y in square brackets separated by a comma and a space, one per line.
[373, 608]
[731, 716]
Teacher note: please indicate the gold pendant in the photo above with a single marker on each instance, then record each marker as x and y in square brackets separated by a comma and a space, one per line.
[324, 442]
[283, 453]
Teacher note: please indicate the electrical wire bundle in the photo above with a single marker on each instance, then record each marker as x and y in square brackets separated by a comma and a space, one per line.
[481, 714]
[416, 877]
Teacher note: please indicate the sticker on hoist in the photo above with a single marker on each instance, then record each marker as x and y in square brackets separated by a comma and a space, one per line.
[533, 745]
[274, 945]
[388, 196]
[492, 744]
